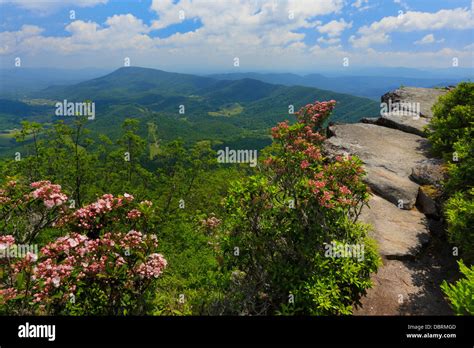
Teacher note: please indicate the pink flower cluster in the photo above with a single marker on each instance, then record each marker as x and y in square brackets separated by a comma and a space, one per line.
[7, 294]
[279, 130]
[329, 191]
[52, 275]
[74, 241]
[313, 152]
[344, 190]
[87, 216]
[332, 183]
[75, 257]
[314, 114]
[134, 214]
[302, 139]
[49, 193]
[153, 267]
[304, 164]
[6, 241]
[132, 239]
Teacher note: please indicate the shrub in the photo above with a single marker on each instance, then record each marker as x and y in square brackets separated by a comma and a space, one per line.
[111, 275]
[27, 210]
[110, 213]
[453, 118]
[461, 294]
[461, 172]
[451, 133]
[459, 211]
[281, 222]
[100, 265]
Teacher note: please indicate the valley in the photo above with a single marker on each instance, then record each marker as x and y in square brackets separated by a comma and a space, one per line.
[190, 107]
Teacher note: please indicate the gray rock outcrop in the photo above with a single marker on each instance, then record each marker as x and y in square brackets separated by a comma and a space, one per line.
[404, 180]
[409, 108]
[414, 99]
[388, 155]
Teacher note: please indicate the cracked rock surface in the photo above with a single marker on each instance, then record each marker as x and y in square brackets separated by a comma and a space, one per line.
[397, 161]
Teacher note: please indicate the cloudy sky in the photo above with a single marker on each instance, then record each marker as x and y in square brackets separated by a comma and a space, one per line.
[207, 35]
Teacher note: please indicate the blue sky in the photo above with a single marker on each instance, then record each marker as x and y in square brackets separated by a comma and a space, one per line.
[208, 35]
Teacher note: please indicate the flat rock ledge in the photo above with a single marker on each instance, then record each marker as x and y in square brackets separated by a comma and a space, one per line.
[407, 122]
[388, 156]
[402, 178]
[400, 234]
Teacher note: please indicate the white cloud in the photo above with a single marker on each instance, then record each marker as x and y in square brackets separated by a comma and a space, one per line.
[48, 7]
[377, 32]
[219, 15]
[237, 26]
[402, 4]
[9, 39]
[358, 4]
[260, 34]
[330, 41]
[369, 40]
[469, 47]
[120, 32]
[428, 39]
[334, 28]
[227, 31]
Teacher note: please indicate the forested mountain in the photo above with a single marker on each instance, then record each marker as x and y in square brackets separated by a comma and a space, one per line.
[183, 106]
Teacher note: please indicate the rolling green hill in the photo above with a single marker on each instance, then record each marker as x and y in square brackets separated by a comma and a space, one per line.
[131, 83]
[156, 96]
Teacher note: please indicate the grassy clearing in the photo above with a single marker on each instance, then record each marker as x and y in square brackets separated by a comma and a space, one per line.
[228, 111]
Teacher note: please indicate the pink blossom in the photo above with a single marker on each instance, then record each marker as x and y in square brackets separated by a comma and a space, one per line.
[304, 164]
[8, 294]
[6, 241]
[31, 257]
[128, 197]
[134, 214]
[344, 190]
[50, 194]
[153, 267]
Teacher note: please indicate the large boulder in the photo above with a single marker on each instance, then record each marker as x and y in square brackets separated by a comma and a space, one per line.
[413, 99]
[430, 171]
[396, 189]
[427, 201]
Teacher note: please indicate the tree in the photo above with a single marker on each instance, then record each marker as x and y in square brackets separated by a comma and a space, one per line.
[31, 131]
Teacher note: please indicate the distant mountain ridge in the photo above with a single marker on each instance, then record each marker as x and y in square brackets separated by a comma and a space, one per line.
[165, 91]
[364, 86]
[132, 81]
[238, 112]
[20, 82]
